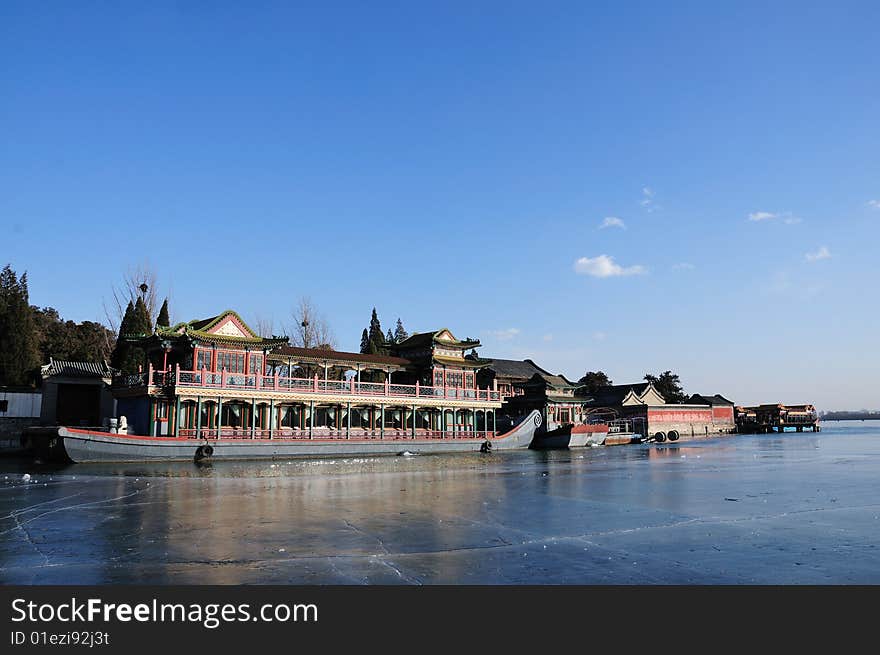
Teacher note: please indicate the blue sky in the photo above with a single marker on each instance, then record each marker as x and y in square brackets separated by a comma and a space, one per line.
[453, 164]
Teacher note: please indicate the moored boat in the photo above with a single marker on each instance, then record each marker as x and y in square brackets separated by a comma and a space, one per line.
[572, 436]
[67, 444]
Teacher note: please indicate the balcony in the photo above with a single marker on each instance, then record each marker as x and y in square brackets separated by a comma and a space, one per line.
[255, 382]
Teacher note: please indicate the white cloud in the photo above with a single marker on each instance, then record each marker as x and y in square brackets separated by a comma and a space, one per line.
[787, 217]
[599, 336]
[820, 254]
[647, 200]
[874, 203]
[613, 221]
[605, 266]
[504, 335]
[548, 337]
[683, 266]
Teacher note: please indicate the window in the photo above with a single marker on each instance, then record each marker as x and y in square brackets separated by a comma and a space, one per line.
[232, 362]
[204, 360]
[256, 365]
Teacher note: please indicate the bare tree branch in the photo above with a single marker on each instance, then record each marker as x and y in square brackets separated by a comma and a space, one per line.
[265, 327]
[129, 290]
[310, 329]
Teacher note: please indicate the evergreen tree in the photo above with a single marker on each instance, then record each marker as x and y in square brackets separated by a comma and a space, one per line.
[163, 320]
[19, 353]
[143, 324]
[593, 381]
[400, 334]
[376, 336]
[120, 352]
[60, 339]
[365, 342]
[128, 356]
[669, 386]
[389, 338]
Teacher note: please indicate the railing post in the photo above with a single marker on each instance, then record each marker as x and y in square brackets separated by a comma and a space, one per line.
[417, 392]
[351, 384]
[150, 374]
[387, 387]
[258, 380]
[276, 379]
[316, 383]
[177, 375]
[223, 378]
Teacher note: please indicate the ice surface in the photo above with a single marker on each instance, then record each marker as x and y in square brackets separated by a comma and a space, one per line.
[771, 509]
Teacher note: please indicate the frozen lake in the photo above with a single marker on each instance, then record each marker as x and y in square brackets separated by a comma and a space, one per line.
[768, 509]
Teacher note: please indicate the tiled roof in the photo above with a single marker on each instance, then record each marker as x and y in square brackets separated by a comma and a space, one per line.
[554, 381]
[514, 368]
[427, 338]
[70, 369]
[614, 394]
[336, 355]
[717, 399]
[557, 380]
[199, 329]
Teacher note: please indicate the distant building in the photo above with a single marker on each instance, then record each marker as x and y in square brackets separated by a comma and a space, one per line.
[649, 413]
[19, 409]
[526, 386]
[76, 393]
[776, 416]
[508, 375]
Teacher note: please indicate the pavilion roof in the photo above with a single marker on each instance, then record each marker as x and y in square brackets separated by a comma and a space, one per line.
[336, 357]
[75, 369]
[205, 330]
[514, 368]
[430, 338]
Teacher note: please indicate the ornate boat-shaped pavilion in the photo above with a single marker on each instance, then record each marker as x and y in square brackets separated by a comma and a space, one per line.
[218, 379]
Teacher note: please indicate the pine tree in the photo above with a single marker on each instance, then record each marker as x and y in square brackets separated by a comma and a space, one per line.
[389, 338]
[143, 324]
[365, 342]
[120, 352]
[19, 353]
[592, 381]
[163, 320]
[400, 334]
[376, 336]
[669, 386]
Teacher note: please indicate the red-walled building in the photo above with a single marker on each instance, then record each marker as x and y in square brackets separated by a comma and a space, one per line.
[650, 414]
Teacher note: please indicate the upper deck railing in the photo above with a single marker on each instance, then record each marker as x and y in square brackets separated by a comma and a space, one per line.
[205, 379]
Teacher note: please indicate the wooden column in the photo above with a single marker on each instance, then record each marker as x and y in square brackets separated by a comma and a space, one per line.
[219, 415]
[177, 416]
[271, 418]
[199, 417]
[253, 418]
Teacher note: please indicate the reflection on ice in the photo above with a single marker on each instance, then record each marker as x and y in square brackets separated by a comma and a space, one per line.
[728, 510]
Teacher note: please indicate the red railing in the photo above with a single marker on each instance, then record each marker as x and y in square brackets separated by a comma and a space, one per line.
[330, 433]
[254, 381]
